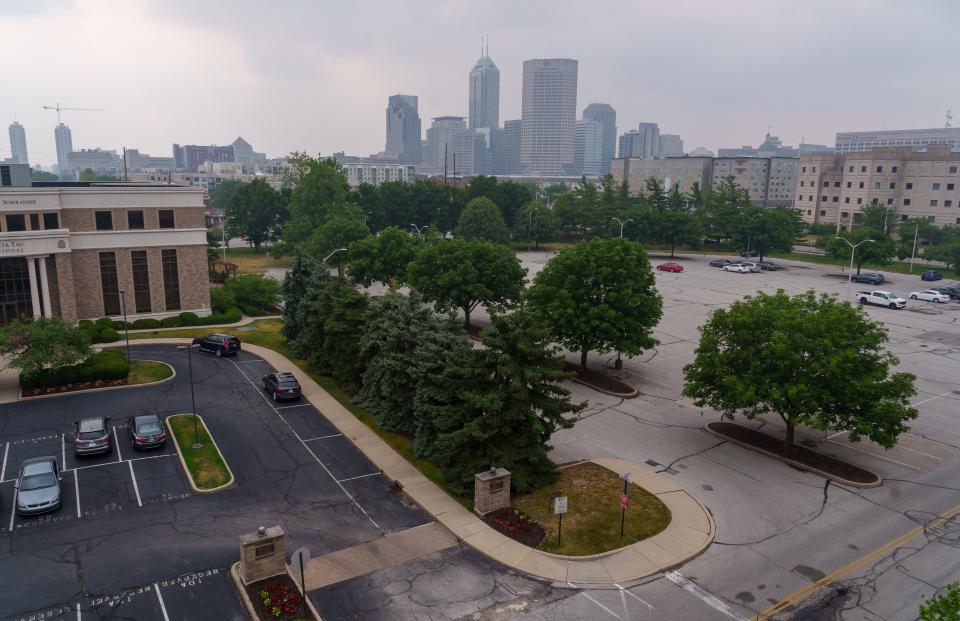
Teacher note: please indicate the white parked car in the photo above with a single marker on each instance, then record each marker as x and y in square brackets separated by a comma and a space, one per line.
[753, 267]
[737, 267]
[930, 296]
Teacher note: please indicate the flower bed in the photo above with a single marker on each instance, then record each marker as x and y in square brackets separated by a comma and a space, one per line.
[514, 524]
[33, 392]
[278, 598]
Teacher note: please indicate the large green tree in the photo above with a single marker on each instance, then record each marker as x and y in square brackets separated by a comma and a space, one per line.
[536, 223]
[221, 196]
[481, 219]
[944, 606]
[877, 252]
[462, 274]
[508, 403]
[810, 360]
[254, 211]
[301, 278]
[600, 296]
[383, 257]
[342, 227]
[765, 230]
[43, 342]
[319, 185]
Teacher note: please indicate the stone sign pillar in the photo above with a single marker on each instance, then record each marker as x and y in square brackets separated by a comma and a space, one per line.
[262, 554]
[491, 490]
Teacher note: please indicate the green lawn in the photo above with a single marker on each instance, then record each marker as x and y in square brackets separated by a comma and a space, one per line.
[592, 524]
[249, 260]
[207, 468]
[146, 371]
[895, 266]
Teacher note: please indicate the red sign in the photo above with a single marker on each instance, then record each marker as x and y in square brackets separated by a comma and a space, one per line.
[624, 500]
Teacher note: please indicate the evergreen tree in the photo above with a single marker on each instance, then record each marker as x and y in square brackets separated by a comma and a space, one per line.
[303, 274]
[341, 347]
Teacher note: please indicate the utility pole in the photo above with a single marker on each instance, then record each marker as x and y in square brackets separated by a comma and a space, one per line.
[125, 178]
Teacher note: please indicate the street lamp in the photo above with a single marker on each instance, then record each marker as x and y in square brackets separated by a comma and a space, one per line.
[420, 230]
[853, 251]
[126, 328]
[193, 395]
[530, 232]
[622, 222]
[333, 253]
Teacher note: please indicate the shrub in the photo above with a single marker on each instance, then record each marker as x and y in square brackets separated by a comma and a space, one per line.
[171, 322]
[146, 324]
[119, 325]
[93, 333]
[249, 311]
[104, 322]
[84, 324]
[222, 299]
[67, 375]
[253, 290]
[109, 335]
[189, 319]
[232, 315]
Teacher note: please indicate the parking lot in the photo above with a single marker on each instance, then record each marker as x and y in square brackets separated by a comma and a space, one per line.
[132, 540]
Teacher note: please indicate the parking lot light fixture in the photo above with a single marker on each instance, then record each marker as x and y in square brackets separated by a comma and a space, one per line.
[420, 229]
[853, 251]
[126, 328]
[333, 253]
[193, 396]
[622, 222]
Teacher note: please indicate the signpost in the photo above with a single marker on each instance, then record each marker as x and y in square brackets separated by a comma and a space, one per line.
[559, 508]
[624, 500]
[300, 557]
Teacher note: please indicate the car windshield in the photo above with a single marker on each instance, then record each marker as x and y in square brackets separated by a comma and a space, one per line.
[38, 481]
[148, 427]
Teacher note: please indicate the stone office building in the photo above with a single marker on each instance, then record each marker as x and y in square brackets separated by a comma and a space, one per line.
[81, 250]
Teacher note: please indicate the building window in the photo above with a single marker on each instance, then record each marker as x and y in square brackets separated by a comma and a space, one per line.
[850, 169]
[171, 279]
[166, 218]
[893, 186]
[873, 202]
[104, 220]
[823, 199]
[879, 169]
[861, 185]
[876, 185]
[951, 187]
[909, 185]
[34, 222]
[823, 212]
[135, 219]
[889, 201]
[844, 214]
[109, 284]
[836, 184]
[809, 198]
[826, 184]
[906, 202]
[903, 217]
[847, 200]
[894, 169]
[849, 184]
[863, 169]
[948, 203]
[953, 170]
[836, 199]
[141, 280]
[804, 169]
[801, 184]
[51, 221]
[859, 201]
[931, 219]
[809, 212]
[16, 222]
[936, 186]
[933, 202]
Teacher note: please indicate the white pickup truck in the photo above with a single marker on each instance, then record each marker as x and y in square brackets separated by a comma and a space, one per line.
[881, 298]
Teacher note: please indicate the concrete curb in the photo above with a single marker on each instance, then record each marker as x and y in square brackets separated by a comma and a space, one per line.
[797, 464]
[20, 396]
[183, 462]
[622, 395]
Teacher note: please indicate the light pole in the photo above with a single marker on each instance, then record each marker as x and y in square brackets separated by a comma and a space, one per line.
[853, 252]
[530, 232]
[622, 222]
[916, 231]
[193, 395]
[126, 328]
[420, 230]
[339, 267]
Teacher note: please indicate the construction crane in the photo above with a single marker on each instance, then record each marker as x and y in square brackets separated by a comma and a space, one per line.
[58, 108]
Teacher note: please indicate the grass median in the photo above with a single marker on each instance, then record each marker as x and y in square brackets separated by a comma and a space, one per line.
[147, 371]
[206, 466]
[249, 260]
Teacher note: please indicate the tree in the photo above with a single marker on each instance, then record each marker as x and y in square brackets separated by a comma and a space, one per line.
[383, 258]
[765, 230]
[301, 278]
[877, 252]
[254, 212]
[43, 342]
[481, 219]
[944, 606]
[343, 226]
[813, 361]
[254, 292]
[600, 296]
[462, 274]
[221, 196]
[876, 217]
[536, 222]
[87, 174]
[508, 404]
[214, 241]
[319, 184]
[40, 175]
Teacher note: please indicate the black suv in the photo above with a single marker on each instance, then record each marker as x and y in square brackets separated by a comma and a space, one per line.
[281, 386]
[220, 344]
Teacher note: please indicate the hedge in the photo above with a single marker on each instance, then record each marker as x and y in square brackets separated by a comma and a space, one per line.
[105, 331]
[110, 364]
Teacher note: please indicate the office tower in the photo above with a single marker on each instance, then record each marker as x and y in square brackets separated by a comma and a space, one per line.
[64, 140]
[484, 94]
[641, 142]
[442, 136]
[403, 128]
[190, 157]
[549, 111]
[605, 115]
[507, 155]
[588, 147]
[18, 143]
[671, 145]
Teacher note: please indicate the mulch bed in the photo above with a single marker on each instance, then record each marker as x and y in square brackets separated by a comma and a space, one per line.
[33, 392]
[516, 525]
[812, 459]
[284, 594]
[600, 380]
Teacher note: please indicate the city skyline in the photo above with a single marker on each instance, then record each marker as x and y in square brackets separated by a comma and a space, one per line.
[328, 96]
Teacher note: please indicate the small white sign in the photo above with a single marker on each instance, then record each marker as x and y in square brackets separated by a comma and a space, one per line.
[559, 505]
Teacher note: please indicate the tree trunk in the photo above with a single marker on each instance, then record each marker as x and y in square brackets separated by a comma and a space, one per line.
[256, 246]
[340, 271]
[583, 359]
[788, 439]
[673, 247]
[466, 316]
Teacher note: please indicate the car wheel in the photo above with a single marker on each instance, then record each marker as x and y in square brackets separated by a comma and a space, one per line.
[219, 353]
[938, 301]
[265, 389]
[862, 300]
[892, 305]
[913, 297]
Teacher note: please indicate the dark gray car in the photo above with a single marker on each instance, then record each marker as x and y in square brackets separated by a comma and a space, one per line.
[146, 431]
[38, 486]
[92, 436]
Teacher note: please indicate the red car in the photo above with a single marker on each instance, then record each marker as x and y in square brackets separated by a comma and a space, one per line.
[670, 267]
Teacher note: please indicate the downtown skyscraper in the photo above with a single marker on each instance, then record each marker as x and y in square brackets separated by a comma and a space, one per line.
[64, 140]
[607, 117]
[18, 143]
[403, 128]
[484, 94]
[549, 111]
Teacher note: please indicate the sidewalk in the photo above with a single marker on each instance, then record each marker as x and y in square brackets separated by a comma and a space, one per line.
[690, 532]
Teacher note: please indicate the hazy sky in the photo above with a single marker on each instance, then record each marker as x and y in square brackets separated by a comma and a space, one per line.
[315, 75]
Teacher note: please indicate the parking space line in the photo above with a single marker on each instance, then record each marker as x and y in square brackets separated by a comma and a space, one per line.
[79, 618]
[114, 463]
[930, 399]
[703, 595]
[136, 489]
[163, 607]
[299, 405]
[3, 469]
[76, 487]
[362, 476]
[587, 595]
[13, 509]
[634, 596]
[894, 461]
[63, 450]
[312, 454]
[332, 435]
[116, 441]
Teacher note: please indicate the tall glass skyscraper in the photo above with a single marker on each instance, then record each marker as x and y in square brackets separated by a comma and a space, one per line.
[484, 94]
[605, 115]
[403, 128]
[549, 112]
[18, 143]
